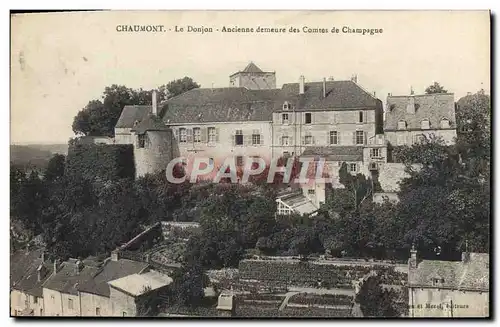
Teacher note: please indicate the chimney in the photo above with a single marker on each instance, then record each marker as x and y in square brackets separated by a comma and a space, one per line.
[354, 78]
[56, 266]
[410, 107]
[115, 255]
[324, 88]
[155, 106]
[78, 267]
[411, 90]
[40, 272]
[466, 253]
[374, 94]
[301, 84]
[389, 94]
[412, 262]
[147, 257]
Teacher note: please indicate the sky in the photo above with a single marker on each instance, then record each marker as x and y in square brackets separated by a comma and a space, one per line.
[61, 61]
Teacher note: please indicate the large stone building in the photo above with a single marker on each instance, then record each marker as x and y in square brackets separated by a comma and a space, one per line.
[338, 121]
[449, 288]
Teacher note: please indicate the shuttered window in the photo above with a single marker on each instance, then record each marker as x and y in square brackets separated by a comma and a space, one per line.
[212, 135]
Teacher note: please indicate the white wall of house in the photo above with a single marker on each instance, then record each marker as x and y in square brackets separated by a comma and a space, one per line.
[409, 137]
[122, 304]
[20, 301]
[94, 305]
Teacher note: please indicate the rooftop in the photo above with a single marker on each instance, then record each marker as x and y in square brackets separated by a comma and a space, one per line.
[335, 153]
[112, 270]
[432, 107]
[68, 278]
[136, 284]
[24, 267]
[471, 274]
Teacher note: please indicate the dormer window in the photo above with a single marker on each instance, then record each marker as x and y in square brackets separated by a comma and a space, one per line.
[437, 281]
[425, 124]
[135, 123]
[286, 106]
[445, 123]
[401, 124]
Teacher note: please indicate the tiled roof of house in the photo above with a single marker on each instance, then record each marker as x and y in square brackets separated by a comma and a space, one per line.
[232, 104]
[433, 107]
[24, 272]
[110, 271]
[149, 123]
[335, 153]
[252, 68]
[131, 114]
[67, 279]
[298, 202]
[472, 274]
[20, 262]
[339, 95]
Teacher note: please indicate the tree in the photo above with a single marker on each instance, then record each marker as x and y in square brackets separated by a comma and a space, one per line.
[179, 86]
[188, 285]
[435, 88]
[358, 185]
[55, 167]
[376, 301]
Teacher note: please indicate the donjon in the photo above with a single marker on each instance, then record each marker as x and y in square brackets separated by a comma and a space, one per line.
[253, 78]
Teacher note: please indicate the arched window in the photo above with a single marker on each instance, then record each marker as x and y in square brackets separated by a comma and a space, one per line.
[401, 124]
[286, 106]
[445, 123]
[424, 124]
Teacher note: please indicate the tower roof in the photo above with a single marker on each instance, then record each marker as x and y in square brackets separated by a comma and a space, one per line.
[252, 68]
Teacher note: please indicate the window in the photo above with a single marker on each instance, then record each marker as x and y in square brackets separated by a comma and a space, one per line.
[142, 141]
[401, 124]
[197, 134]
[401, 139]
[97, 311]
[375, 153]
[353, 167]
[238, 138]
[283, 209]
[183, 135]
[286, 154]
[41, 312]
[445, 123]
[255, 139]
[418, 138]
[361, 116]
[284, 118]
[286, 106]
[210, 162]
[35, 299]
[334, 137]
[124, 314]
[437, 281]
[212, 135]
[52, 298]
[239, 161]
[311, 191]
[70, 304]
[425, 124]
[284, 140]
[308, 117]
[308, 139]
[360, 137]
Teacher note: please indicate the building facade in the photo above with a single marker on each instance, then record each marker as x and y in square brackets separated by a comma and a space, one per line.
[449, 288]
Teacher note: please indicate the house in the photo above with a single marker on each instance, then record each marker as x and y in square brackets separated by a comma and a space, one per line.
[295, 202]
[408, 118]
[28, 271]
[60, 291]
[125, 292]
[449, 288]
[95, 294]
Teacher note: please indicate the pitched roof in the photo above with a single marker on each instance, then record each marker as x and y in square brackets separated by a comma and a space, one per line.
[340, 95]
[232, 104]
[20, 262]
[298, 202]
[149, 123]
[335, 153]
[252, 68]
[433, 107]
[473, 274]
[135, 284]
[131, 114]
[111, 270]
[26, 265]
[67, 280]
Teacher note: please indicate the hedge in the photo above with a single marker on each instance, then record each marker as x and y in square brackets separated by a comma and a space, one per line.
[104, 162]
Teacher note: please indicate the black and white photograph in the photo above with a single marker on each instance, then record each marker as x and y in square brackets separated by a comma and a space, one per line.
[250, 164]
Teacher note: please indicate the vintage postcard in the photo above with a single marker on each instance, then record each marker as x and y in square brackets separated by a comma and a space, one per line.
[243, 164]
